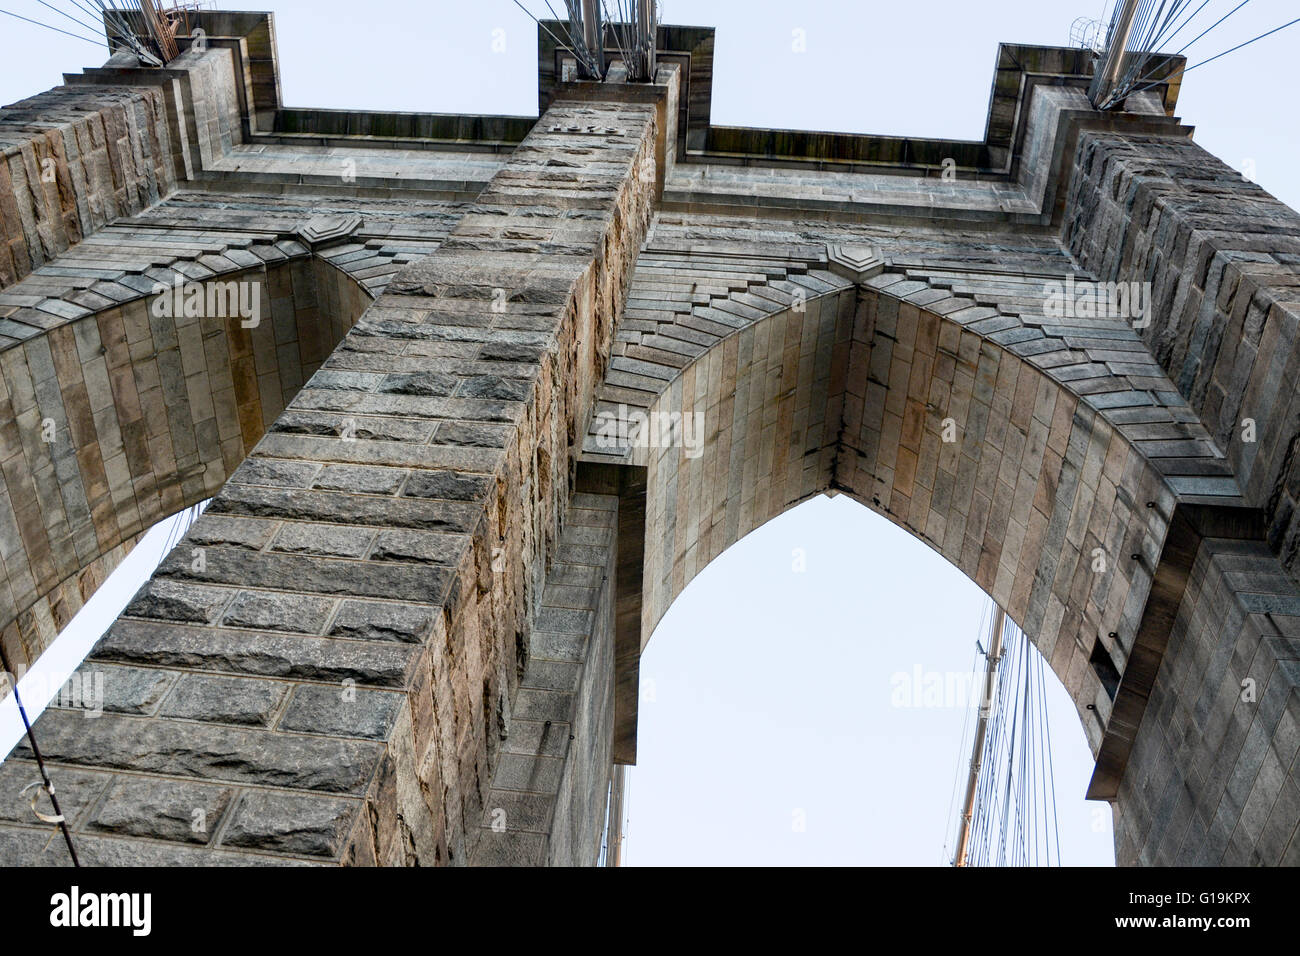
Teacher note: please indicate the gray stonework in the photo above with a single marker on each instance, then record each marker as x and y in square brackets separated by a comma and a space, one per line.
[406, 630]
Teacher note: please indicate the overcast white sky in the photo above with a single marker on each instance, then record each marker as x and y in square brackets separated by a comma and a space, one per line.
[766, 692]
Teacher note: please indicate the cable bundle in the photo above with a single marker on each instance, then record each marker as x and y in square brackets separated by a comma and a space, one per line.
[141, 26]
[1129, 67]
[1015, 817]
[634, 31]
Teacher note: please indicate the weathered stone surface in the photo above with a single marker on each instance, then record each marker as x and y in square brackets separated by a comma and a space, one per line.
[262, 471]
[277, 612]
[361, 480]
[77, 790]
[233, 532]
[341, 711]
[120, 690]
[312, 574]
[224, 700]
[207, 752]
[267, 655]
[448, 484]
[329, 541]
[418, 547]
[421, 383]
[162, 810]
[286, 823]
[453, 516]
[176, 601]
[376, 621]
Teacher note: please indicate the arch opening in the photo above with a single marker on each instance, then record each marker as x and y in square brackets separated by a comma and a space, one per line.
[54, 679]
[1021, 485]
[833, 659]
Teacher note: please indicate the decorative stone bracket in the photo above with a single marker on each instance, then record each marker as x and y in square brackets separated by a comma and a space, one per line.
[328, 230]
[857, 263]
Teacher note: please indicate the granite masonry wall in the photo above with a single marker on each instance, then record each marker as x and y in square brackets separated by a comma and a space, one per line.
[1223, 258]
[348, 623]
[1214, 776]
[547, 802]
[74, 159]
[116, 416]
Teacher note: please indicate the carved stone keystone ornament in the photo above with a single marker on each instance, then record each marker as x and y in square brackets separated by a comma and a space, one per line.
[328, 229]
[857, 263]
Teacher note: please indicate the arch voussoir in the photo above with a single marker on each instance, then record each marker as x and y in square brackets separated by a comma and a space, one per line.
[1016, 444]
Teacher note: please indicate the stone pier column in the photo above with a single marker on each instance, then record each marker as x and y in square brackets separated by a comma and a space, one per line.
[324, 669]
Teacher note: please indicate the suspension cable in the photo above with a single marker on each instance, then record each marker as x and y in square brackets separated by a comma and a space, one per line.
[47, 26]
[1015, 820]
[1188, 69]
[45, 778]
[1212, 26]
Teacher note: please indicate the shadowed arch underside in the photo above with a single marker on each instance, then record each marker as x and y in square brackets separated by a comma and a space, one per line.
[122, 407]
[1049, 459]
[813, 383]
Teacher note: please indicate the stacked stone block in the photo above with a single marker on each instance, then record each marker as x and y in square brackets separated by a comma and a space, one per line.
[391, 532]
[74, 159]
[547, 802]
[1223, 257]
[1213, 779]
[118, 417]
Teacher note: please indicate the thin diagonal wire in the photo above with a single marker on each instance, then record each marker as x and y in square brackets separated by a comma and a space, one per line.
[558, 41]
[115, 16]
[962, 747]
[1051, 768]
[92, 7]
[991, 764]
[575, 31]
[1246, 44]
[63, 13]
[45, 776]
[1182, 26]
[1218, 56]
[97, 12]
[1213, 25]
[614, 27]
[1161, 26]
[1148, 17]
[1016, 820]
[47, 26]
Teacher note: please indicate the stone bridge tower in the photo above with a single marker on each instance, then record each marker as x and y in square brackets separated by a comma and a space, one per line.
[391, 347]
